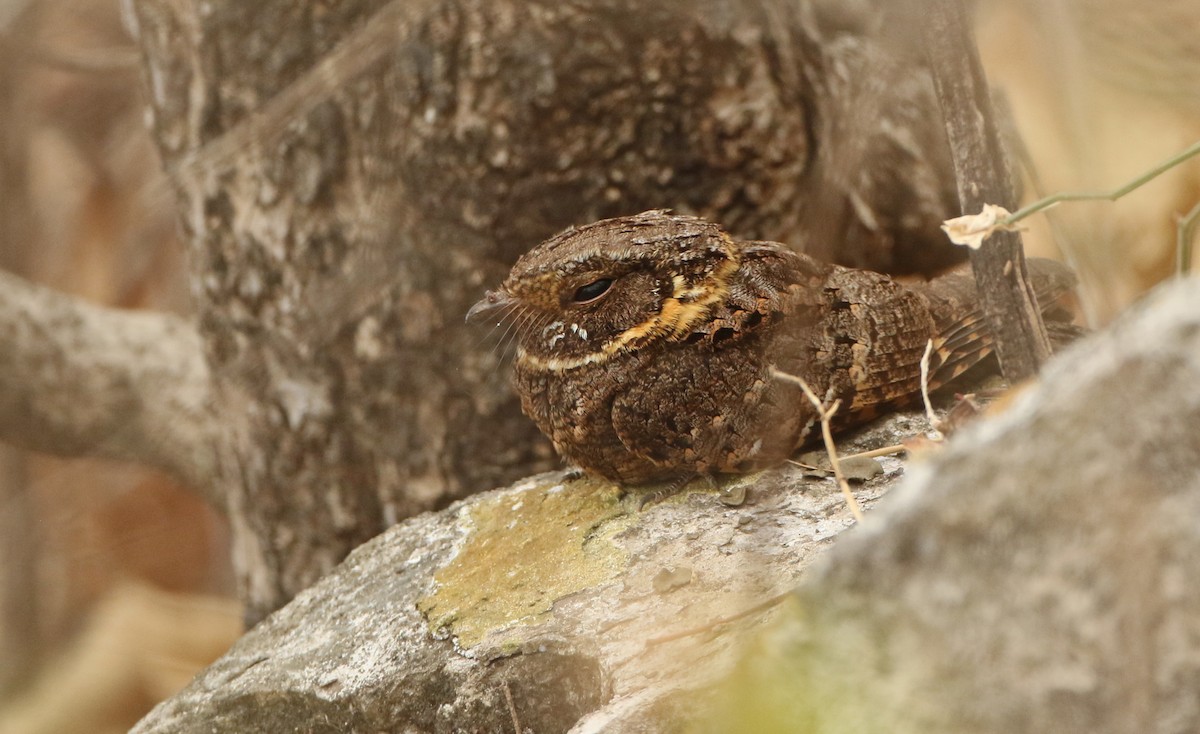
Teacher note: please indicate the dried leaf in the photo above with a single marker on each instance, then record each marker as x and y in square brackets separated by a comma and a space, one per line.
[972, 229]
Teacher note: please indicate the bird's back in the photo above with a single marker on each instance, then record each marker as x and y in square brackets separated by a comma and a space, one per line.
[648, 344]
[868, 349]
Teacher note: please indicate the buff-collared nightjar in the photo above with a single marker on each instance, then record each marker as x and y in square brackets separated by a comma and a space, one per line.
[646, 343]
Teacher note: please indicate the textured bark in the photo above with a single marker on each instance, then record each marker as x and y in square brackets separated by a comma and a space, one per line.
[1011, 582]
[985, 177]
[351, 176]
[81, 380]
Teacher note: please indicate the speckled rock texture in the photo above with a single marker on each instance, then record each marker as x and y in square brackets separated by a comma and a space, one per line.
[557, 592]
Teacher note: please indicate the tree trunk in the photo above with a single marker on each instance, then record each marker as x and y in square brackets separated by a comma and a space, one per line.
[985, 177]
[351, 177]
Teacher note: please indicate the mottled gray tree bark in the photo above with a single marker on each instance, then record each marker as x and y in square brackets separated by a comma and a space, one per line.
[984, 177]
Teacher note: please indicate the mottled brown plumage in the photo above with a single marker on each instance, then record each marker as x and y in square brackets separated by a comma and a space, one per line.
[646, 342]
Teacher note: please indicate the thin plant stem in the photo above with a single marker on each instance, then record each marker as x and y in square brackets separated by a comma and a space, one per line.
[935, 434]
[827, 434]
[1184, 237]
[884, 451]
[1112, 195]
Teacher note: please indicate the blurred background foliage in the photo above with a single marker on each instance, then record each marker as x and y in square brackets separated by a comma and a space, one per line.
[115, 585]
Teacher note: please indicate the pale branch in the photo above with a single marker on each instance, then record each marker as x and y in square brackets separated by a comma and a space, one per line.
[77, 379]
[876, 453]
[546, 588]
[934, 432]
[983, 177]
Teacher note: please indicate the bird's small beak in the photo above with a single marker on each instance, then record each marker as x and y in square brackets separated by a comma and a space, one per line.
[492, 303]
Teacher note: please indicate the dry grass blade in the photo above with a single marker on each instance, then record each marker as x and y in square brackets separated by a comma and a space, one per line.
[934, 423]
[1185, 233]
[827, 434]
[512, 708]
[882, 451]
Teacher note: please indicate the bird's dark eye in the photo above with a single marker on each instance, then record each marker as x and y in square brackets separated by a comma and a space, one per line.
[593, 290]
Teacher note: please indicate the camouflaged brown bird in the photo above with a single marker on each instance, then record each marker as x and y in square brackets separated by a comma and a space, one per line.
[646, 344]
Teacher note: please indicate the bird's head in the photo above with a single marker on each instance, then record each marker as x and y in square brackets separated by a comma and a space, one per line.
[612, 286]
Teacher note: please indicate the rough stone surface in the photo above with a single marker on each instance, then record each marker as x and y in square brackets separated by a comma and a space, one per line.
[1037, 575]
[591, 613]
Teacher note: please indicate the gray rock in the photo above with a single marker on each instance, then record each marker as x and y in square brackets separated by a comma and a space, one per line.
[558, 595]
[1037, 575]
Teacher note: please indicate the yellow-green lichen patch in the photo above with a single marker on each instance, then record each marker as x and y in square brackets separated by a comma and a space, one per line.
[524, 551]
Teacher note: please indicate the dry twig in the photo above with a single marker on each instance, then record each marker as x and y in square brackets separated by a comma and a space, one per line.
[827, 435]
[873, 453]
[934, 422]
[512, 708]
[973, 229]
